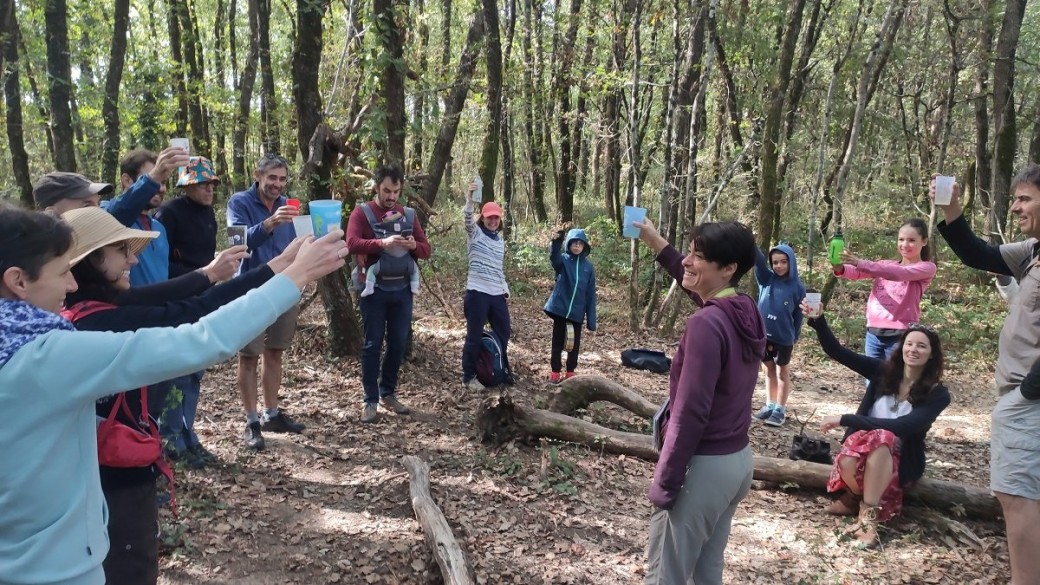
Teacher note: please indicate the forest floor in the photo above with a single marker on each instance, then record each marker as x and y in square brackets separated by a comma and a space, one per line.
[332, 505]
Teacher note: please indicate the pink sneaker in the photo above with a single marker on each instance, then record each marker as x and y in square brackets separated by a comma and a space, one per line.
[568, 375]
[554, 378]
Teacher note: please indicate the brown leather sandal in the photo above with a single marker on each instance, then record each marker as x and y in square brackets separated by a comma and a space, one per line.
[867, 535]
[846, 505]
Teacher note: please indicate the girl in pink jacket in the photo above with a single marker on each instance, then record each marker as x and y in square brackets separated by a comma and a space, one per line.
[895, 297]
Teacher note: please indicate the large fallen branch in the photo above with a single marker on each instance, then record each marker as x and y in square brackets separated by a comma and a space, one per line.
[437, 532]
[580, 391]
[501, 420]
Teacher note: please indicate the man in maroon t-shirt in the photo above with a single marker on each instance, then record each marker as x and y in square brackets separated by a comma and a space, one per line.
[388, 311]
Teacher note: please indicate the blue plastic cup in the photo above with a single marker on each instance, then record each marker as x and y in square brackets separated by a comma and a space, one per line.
[326, 215]
[632, 214]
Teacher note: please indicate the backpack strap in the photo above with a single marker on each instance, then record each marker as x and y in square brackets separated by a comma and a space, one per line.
[85, 309]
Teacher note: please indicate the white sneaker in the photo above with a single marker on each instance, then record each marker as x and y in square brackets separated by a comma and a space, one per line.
[474, 385]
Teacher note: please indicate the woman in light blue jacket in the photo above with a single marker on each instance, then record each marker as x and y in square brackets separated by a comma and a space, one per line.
[52, 512]
[573, 299]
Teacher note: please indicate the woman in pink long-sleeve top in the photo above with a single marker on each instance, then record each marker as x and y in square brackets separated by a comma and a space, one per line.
[895, 297]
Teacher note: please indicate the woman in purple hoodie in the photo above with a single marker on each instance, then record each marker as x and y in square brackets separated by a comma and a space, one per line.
[705, 465]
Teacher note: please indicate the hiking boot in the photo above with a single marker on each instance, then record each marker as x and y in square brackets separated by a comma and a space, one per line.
[474, 385]
[777, 417]
[254, 440]
[368, 414]
[554, 378]
[392, 403]
[846, 505]
[764, 414]
[281, 423]
[203, 454]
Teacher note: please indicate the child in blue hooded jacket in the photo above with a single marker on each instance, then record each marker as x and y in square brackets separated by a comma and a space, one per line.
[573, 299]
[780, 294]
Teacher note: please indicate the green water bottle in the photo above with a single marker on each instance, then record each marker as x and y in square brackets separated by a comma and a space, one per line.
[837, 246]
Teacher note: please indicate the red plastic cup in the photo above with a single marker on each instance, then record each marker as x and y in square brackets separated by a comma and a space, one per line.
[294, 203]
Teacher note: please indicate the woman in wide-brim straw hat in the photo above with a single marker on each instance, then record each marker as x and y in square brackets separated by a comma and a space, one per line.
[104, 302]
[51, 505]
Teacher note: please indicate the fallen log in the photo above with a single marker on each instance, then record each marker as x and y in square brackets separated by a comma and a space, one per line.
[581, 391]
[501, 420]
[436, 531]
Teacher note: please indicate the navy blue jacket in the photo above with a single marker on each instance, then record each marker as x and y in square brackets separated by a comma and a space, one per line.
[574, 296]
[779, 297]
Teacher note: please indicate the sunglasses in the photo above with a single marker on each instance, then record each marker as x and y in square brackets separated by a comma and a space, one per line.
[920, 327]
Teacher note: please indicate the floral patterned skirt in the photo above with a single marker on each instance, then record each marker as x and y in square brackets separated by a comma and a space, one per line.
[860, 445]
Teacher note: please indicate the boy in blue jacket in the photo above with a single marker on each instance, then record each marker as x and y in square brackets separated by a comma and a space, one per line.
[572, 299]
[780, 294]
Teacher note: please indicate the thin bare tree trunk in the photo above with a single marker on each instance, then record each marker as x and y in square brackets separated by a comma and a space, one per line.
[270, 134]
[1004, 128]
[492, 135]
[240, 176]
[113, 79]
[450, 120]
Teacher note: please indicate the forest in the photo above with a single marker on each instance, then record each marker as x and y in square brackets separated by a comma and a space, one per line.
[796, 118]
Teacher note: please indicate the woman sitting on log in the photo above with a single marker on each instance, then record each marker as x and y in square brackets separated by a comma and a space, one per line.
[883, 449]
[705, 466]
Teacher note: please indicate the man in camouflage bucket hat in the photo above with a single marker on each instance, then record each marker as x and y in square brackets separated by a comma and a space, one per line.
[191, 228]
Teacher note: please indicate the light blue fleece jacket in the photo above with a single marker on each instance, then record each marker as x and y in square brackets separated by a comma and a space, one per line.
[53, 515]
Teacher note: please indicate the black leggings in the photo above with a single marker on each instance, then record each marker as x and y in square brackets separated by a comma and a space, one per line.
[559, 339]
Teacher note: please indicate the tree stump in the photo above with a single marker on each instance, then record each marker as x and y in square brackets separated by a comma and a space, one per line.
[436, 531]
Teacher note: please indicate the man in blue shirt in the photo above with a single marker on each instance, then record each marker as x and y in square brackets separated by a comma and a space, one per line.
[265, 212]
[136, 168]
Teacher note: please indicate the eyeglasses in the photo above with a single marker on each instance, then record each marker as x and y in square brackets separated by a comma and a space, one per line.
[920, 327]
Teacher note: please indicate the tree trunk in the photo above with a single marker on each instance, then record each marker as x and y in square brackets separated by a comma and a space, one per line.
[113, 79]
[7, 28]
[242, 177]
[489, 151]
[450, 121]
[983, 170]
[196, 81]
[13, 103]
[59, 84]
[501, 420]
[563, 83]
[872, 68]
[391, 79]
[532, 116]
[415, 154]
[35, 93]
[436, 530]
[174, 28]
[306, 68]
[769, 188]
[1004, 127]
[270, 135]
[220, 119]
[581, 391]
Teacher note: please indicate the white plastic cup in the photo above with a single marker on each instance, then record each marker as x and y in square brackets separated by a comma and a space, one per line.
[815, 302]
[302, 225]
[944, 190]
[181, 143]
[632, 215]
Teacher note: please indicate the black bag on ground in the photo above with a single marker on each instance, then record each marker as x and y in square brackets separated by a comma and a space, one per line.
[492, 362]
[646, 359]
[806, 448]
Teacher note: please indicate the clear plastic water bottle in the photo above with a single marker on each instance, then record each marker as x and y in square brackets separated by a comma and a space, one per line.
[478, 196]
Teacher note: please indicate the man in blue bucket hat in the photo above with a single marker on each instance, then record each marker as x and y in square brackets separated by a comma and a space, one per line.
[265, 211]
[191, 230]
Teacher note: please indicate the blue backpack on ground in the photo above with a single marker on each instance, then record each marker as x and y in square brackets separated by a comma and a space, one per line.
[492, 363]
